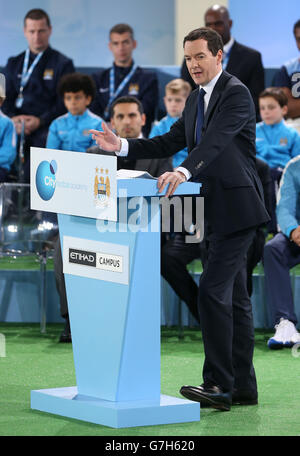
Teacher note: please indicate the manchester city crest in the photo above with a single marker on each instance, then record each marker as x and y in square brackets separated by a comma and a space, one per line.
[101, 187]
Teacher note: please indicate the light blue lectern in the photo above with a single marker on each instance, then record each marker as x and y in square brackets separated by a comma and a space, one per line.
[115, 321]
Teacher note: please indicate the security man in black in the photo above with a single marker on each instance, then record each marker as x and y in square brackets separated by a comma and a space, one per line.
[125, 77]
[31, 85]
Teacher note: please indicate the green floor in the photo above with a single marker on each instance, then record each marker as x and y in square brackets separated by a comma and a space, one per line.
[35, 361]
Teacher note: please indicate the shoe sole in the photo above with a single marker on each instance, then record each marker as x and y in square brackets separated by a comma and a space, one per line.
[206, 401]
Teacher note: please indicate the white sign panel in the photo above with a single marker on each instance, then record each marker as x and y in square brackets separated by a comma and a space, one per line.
[75, 183]
[96, 260]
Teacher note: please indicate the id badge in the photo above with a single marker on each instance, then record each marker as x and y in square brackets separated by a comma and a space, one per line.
[19, 101]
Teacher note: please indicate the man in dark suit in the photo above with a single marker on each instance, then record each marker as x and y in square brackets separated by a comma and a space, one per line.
[239, 60]
[218, 127]
[32, 78]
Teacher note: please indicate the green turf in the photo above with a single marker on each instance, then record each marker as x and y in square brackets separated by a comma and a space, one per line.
[30, 262]
[36, 361]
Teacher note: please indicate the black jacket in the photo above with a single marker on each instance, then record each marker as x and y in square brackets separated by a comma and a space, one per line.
[40, 93]
[143, 85]
[224, 161]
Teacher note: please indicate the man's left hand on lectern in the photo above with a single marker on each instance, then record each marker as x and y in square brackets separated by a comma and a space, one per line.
[172, 179]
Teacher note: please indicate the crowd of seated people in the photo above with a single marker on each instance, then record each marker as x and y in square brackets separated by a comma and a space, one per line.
[48, 104]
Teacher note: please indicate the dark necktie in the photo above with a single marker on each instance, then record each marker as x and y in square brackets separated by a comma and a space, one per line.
[200, 115]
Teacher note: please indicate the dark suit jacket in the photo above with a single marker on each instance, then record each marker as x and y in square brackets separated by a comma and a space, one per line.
[224, 161]
[246, 64]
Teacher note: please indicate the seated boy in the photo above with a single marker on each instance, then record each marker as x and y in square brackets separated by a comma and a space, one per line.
[176, 93]
[7, 143]
[71, 131]
[276, 143]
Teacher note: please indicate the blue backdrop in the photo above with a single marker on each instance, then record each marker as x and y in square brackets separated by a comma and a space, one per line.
[266, 25]
[80, 28]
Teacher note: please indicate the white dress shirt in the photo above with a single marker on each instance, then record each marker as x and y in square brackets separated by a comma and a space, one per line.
[209, 87]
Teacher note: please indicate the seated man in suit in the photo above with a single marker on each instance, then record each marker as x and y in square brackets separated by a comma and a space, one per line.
[125, 77]
[127, 119]
[239, 60]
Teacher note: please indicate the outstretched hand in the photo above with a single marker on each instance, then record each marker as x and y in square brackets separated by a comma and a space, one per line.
[106, 139]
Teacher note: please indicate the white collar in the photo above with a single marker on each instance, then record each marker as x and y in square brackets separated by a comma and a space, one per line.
[228, 46]
[209, 87]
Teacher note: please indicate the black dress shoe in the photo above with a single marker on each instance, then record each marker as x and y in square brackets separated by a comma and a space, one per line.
[244, 397]
[65, 336]
[212, 396]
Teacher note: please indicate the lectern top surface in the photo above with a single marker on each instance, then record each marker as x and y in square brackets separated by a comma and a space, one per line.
[148, 187]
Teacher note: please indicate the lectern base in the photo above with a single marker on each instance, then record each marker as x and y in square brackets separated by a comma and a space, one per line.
[67, 402]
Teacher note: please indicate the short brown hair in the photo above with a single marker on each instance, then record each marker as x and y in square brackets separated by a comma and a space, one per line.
[277, 93]
[214, 40]
[125, 100]
[121, 28]
[36, 15]
[178, 85]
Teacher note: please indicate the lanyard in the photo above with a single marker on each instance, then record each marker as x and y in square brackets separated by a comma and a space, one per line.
[26, 73]
[112, 93]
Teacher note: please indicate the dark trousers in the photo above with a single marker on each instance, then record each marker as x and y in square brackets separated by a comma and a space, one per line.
[176, 254]
[276, 176]
[280, 255]
[254, 256]
[226, 313]
[3, 175]
[60, 278]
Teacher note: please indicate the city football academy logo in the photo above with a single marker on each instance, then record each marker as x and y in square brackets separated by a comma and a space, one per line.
[45, 179]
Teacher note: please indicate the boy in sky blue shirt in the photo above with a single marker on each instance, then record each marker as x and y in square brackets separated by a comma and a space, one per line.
[176, 93]
[71, 131]
[7, 144]
[276, 143]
